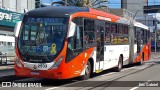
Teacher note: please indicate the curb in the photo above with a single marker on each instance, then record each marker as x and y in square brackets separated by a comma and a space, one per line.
[7, 67]
[155, 55]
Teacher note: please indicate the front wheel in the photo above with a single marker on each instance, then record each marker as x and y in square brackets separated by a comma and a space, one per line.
[87, 72]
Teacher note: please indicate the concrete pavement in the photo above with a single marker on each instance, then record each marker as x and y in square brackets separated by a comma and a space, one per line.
[6, 67]
[127, 79]
[155, 55]
[107, 80]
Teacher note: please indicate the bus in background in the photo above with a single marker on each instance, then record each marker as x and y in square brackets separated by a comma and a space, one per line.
[66, 42]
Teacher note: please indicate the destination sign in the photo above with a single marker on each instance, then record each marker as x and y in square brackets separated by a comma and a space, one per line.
[46, 20]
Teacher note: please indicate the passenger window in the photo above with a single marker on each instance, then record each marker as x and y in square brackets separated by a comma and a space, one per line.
[89, 34]
[108, 33]
[78, 39]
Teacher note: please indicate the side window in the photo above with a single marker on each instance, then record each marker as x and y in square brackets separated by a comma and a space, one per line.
[120, 34]
[108, 33]
[113, 28]
[76, 42]
[143, 36]
[113, 31]
[78, 21]
[146, 35]
[126, 35]
[78, 38]
[89, 34]
[135, 35]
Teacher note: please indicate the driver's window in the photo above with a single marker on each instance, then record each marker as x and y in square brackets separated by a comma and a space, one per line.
[71, 43]
[75, 42]
[78, 39]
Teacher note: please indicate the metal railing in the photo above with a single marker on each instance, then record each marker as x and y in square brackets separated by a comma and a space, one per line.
[6, 60]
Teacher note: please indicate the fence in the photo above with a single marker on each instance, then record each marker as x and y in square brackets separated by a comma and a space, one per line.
[6, 60]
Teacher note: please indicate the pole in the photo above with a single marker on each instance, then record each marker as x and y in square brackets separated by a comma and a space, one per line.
[155, 46]
[40, 2]
[65, 2]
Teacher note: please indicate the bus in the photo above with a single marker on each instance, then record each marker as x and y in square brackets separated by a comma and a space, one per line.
[65, 42]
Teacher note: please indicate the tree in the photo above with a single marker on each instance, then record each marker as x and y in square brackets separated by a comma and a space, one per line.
[97, 4]
[84, 3]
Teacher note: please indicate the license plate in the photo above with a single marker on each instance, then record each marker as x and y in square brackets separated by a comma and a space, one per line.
[34, 73]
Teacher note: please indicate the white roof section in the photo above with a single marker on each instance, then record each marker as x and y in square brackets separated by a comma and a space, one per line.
[138, 24]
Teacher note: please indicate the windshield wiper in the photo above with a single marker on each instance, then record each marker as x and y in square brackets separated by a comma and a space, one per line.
[26, 54]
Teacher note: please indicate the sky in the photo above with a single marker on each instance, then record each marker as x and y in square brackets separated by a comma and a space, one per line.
[113, 3]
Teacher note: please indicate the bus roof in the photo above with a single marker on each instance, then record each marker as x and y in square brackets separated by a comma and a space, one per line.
[138, 24]
[60, 11]
[66, 11]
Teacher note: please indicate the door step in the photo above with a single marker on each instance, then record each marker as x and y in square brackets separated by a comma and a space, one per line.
[98, 71]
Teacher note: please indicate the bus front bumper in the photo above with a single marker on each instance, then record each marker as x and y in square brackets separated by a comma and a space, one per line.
[49, 74]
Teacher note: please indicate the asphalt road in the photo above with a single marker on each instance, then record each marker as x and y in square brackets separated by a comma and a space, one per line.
[130, 78]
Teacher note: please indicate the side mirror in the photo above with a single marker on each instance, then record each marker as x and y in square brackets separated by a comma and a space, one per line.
[17, 28]
[72, 29]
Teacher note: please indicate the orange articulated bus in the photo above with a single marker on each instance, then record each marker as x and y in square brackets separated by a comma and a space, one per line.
[66, 42]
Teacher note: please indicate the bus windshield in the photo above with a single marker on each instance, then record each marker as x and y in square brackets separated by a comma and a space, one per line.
[41, 37]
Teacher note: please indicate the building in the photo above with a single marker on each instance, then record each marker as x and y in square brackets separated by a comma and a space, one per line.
[17, 5]
[134, 6]
[11, 11]
[137, 7]
[123, 13]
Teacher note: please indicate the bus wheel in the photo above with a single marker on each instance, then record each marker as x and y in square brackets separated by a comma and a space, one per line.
[120, 65]
[87, 72]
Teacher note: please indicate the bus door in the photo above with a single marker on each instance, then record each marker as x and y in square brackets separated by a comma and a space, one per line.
[100, 47]
[139, 39]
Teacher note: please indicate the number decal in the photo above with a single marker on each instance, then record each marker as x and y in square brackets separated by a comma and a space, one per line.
[42, 65]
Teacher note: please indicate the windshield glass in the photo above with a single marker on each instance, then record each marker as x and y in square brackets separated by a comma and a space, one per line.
[42, 37]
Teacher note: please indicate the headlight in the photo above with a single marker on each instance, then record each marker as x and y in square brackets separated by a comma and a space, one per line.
[17, 61]
[56, 63]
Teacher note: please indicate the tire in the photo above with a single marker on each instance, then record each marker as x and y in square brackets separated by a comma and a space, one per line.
[87, 72]
[120, 65]
[142, 60]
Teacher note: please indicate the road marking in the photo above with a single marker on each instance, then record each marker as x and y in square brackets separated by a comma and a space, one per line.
[115, 72]
[91, 78]
[128, 68]
[134, 88]
[106, 74]
[51, 88]
[157, 57]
